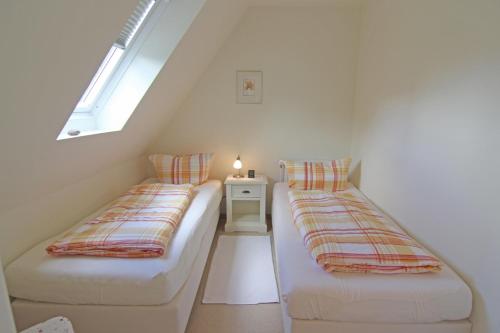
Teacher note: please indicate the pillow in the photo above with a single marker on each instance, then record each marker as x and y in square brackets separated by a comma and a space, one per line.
[182, 169]
[328, 176]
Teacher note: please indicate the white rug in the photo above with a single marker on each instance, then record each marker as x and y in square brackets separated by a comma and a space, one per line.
[242, 271]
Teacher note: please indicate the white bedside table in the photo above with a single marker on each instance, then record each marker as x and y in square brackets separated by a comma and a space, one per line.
[242, 215]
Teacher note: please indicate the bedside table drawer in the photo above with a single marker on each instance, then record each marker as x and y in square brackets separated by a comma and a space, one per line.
[245, 191]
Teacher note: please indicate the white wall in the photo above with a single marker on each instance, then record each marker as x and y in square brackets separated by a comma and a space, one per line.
[50, 51]
[307, 55]
[6, 319]
[39, 218]
[427, 131]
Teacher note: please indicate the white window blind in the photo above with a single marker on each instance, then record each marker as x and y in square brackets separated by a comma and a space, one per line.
[134, 22]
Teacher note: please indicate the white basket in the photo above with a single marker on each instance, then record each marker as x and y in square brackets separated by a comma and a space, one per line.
[54, 325]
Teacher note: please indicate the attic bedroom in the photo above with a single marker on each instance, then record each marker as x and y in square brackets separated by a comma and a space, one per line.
[243, 166]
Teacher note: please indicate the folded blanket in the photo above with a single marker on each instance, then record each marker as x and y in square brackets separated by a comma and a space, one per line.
[345, 233]
[138, 224]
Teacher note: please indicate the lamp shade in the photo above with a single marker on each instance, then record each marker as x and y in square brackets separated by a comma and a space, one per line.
[237, 164]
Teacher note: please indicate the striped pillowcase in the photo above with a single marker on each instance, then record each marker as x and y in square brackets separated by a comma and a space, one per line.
[182, 169]
[328, 176]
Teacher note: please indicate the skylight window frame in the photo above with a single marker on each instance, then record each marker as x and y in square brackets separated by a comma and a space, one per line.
[160, 34]
[83, 118]
[81, 107]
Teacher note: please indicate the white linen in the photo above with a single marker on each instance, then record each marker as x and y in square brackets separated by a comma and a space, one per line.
[38, 276]
[242, 272]
[308, 292]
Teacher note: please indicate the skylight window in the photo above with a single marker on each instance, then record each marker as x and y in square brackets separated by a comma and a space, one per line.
[100, 79]
[113, 58]
[132, 63]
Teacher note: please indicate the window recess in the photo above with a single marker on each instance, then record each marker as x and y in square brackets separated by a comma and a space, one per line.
[84, 117]
[131, 65]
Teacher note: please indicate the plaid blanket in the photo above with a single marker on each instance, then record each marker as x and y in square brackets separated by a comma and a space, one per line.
[345, 233]
[138, 224]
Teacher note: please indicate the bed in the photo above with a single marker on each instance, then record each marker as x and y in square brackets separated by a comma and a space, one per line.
[313, 300]
[117, 294]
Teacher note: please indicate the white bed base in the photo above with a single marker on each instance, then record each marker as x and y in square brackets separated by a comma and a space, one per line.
[292, 325]
[166, 318]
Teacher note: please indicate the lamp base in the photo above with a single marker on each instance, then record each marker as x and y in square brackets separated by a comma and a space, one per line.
[238, 176]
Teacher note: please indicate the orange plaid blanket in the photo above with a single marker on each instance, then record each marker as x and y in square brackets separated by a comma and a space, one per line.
[138, 224]
[345, 233]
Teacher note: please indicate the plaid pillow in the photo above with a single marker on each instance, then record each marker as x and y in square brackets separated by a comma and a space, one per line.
[182, 169]
[328, 176]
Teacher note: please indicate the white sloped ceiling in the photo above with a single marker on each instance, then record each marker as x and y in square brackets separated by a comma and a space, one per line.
[50, 50]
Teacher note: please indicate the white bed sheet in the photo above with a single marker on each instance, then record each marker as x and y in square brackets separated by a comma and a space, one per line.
[310, 293]
[38, 276]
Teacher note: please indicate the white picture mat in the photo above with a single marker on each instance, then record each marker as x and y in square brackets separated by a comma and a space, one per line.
[249, 97]
[242, 272]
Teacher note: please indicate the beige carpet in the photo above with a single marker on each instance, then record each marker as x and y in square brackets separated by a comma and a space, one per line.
[225, 318]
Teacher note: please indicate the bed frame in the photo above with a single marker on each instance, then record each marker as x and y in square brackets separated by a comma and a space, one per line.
[166, 318]
[282, 171]
[320, 326]
[292, 325]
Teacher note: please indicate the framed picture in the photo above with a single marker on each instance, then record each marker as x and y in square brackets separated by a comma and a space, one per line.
[248, 87]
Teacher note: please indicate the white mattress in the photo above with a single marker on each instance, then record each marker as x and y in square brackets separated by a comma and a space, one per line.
[37, 276]
[310, 293]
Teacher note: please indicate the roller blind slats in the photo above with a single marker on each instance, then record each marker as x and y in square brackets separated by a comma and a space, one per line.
[134, 22]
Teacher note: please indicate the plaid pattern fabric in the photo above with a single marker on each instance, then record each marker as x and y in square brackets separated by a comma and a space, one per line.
[344, 233]
[183, 169]
[318, 175]
[139, 224]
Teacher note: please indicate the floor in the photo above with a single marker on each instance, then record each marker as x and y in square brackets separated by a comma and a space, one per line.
[224, 318]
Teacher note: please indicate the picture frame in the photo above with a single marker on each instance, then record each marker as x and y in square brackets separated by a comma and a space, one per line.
[249, 87]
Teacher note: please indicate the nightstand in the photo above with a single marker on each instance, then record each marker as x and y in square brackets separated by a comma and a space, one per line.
[246, 204]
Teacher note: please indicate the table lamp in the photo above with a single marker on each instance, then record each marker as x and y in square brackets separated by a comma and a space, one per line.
[237, 165]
